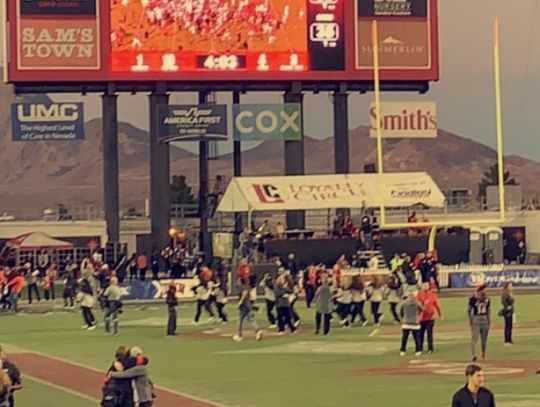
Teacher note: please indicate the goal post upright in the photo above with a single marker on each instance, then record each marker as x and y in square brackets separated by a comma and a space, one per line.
[500, 159]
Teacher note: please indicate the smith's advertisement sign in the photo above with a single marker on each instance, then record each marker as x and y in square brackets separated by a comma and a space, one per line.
[405, 120]
[267, 122]
[193, 123]
[41, 122]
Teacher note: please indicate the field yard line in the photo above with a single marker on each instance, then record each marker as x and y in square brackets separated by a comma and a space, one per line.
[175, 392]
[374, 332]
[57, 387]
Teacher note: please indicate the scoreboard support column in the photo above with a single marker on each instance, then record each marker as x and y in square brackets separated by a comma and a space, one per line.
[160, 201]
[111, 200]
[294, 157]
[237, 162]
[205, 243]
[341, 135]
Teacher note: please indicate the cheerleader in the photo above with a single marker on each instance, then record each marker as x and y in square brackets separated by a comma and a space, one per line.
[202, 295]
[267, 284]
[86, 298]
[358, 297]
[283, 306]
[344, 299]
[394, 290]
[220, 294]
[375, 296]
[293, 296]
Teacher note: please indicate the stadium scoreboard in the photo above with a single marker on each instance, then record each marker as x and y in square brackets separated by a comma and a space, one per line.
[219, 40]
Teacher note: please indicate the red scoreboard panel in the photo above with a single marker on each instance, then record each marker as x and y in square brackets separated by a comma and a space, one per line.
[219, 40]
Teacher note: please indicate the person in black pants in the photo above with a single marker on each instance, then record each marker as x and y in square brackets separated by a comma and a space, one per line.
[267, 284]
[172, 303]
[283, 305]
[31, 281]
[507, 312]
[154, 264]
[323, 301]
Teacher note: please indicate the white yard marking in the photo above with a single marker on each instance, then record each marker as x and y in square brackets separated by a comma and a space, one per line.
[323, 348]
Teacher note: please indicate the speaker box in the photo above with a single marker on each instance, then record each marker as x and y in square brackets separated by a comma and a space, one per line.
[370, 168]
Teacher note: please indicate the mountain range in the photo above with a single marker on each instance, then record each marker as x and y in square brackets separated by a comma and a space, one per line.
[38, 174]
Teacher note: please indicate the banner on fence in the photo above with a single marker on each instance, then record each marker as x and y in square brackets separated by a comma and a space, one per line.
[147, 290]
[518, 277]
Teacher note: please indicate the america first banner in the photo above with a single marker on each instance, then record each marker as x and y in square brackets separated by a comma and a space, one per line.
[53, 35]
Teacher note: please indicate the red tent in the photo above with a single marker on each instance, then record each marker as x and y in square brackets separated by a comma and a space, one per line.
[37, 241]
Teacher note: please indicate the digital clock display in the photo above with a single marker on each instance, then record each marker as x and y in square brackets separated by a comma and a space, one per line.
[221, 62]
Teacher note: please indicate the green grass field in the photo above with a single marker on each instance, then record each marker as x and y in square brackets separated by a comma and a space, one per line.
[300, 370]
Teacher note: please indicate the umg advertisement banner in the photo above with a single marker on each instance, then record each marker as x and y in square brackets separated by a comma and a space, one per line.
[47, 122]
[267, 122]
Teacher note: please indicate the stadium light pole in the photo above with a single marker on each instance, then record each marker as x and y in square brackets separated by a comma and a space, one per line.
[111, 198]
[294, 156]
[160, 195]
[341, 134]
[204, 240]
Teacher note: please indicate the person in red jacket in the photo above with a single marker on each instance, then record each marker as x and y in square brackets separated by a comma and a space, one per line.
[15, 287]
[243, 271]
[430, 301]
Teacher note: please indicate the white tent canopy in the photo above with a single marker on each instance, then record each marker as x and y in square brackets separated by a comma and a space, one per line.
[246, 194]
[36, 241]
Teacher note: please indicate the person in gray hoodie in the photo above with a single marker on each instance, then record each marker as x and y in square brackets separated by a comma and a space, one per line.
[410, 322]
[323, 301]
[143, 386]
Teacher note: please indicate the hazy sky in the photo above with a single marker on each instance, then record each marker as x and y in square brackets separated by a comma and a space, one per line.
[465, 93]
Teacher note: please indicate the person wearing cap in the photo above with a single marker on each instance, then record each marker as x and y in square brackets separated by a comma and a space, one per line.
[479, 309]
[473, 394]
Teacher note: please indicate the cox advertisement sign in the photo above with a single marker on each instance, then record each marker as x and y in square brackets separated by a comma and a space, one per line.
[267, 122]
[518, 277]
[42, 122]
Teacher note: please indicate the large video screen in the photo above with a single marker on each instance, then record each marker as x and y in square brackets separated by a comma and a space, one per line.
[226, 35]
[263, 41]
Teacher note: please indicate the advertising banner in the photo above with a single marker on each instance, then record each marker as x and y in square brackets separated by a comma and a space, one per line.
[267, 122]
[147, 290]
[58, 44]
[518, 277]
[401, 46]
[58, 7]
[399, 8]
[193, 123]
[41, 122]
[405, 120]
[330, 191]
[58, 35]
[223, 245]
